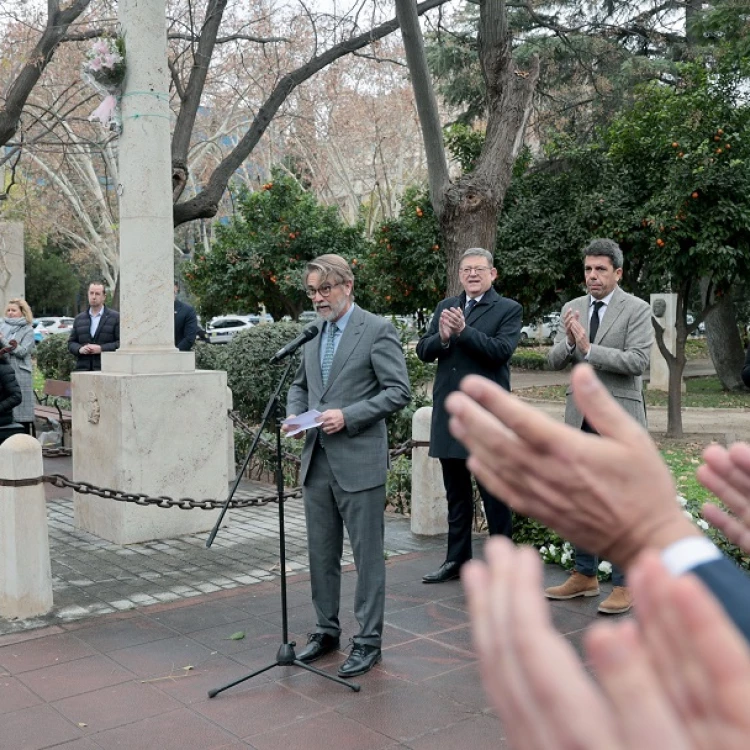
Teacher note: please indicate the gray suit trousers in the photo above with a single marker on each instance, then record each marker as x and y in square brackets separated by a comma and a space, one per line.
[328, 509]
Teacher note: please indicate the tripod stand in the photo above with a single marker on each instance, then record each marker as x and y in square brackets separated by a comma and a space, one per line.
[285, 657]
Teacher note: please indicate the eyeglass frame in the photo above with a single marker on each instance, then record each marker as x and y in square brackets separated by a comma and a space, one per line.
[311, 292]
[479, 270]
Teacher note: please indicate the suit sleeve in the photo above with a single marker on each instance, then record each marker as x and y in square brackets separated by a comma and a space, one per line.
[190, 331]
[430, 347]
[731, 587]
[634, 357]
[389, 365]
[297, 399]
[73, 343]
[495, 350]
[113, 345]
[746, 369]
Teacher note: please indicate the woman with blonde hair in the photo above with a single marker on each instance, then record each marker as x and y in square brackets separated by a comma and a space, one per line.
[17, 341]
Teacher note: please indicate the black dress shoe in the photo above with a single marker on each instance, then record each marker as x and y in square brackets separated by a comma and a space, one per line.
[362, 659]
[448, 571]
[318, 645]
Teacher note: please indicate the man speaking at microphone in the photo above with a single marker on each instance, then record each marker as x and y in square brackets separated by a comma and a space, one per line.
[354, 373]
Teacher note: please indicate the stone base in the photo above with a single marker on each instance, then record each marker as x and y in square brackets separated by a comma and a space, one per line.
[25, 573]
[429, 508]
[159, 434]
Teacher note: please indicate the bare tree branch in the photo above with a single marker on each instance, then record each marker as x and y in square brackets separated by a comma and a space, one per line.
[205, 204]
[58, 22]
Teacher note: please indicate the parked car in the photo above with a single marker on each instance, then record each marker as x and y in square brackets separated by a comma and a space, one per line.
[542, 330]
[307, 316]
[700, 330]
[44, 327]
[222, 329]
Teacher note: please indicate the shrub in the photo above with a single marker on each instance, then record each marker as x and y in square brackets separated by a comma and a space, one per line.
[210, 356]
[53, 359]
[529, 359]
[249, 374]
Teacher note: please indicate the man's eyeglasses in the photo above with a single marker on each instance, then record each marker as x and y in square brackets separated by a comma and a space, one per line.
[323, 290]
[473, 269]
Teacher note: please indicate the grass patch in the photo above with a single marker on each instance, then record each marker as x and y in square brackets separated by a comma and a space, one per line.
[683, 460]
[705, 393]
[697, 349]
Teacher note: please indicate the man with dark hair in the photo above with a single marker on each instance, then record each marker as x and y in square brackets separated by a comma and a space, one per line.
[185, 323]
[473, 333]
[611, 330]
[354, 373]
[94, 331]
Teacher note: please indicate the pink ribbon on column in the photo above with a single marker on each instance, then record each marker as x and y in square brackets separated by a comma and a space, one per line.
[105, 110]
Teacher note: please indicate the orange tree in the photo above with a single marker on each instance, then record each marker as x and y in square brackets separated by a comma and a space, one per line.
[678, 196]
[405, 269]
[259, 256]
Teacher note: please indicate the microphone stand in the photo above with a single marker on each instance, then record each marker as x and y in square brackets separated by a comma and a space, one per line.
[285, 657]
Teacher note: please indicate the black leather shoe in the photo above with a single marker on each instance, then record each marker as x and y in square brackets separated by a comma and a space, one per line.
[448, 571]
[318, 645]
[362, 659]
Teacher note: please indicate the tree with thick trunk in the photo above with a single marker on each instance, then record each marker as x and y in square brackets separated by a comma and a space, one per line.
[468, 207]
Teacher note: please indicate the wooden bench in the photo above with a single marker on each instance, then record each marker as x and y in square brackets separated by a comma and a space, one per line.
[48, 406]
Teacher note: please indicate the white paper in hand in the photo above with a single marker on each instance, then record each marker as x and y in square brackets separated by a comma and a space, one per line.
[302, 422]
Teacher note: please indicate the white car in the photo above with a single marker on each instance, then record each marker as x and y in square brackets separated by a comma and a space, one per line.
[48, 326]
[223, 329]
[543, 330]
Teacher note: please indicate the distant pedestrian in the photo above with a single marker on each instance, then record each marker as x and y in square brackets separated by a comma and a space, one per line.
[94, 331]
[185, 323]
[17, 338]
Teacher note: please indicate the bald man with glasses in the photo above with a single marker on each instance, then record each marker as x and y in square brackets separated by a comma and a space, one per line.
[475, 333]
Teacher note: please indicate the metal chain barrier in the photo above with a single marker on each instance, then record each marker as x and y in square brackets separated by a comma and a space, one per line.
[185, 503]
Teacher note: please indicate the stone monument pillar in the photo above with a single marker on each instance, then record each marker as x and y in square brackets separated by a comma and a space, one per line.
[149, 422]
[429, 508]
[12, 274]
[664, 309]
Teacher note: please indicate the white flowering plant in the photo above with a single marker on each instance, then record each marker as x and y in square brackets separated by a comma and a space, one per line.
[105, 62]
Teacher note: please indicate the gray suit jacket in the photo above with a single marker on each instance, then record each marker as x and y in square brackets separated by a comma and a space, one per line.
[620, 354]
[368, 381]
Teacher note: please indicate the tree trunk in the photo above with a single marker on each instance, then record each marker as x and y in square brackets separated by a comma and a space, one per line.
[469, 219]
[724, 342]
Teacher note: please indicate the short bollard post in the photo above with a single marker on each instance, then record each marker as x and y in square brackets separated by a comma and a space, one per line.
[429, 511]
[25, 573]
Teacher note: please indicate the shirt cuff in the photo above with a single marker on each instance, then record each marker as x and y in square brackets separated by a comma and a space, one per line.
[689, 553]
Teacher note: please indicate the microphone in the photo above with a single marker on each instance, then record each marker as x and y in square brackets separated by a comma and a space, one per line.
[307, 335]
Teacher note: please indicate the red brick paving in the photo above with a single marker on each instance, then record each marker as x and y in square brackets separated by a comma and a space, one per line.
[140, 679]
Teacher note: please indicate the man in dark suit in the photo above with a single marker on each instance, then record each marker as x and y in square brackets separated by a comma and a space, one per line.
[94, 331]
[474, 333]
[746, 368]
[185, 323]
[354, 373]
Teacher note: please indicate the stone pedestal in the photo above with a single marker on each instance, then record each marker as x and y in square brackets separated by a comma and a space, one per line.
[148, 422]
[664, 309]
[25, 574]
[159, 434]
[12, 274]
[429, 510]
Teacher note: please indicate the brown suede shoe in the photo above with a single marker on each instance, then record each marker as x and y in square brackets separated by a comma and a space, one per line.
[618, 602]
[577, 585]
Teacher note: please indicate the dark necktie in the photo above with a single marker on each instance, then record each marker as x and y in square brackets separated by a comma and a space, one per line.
[594, 323]
[469, 307]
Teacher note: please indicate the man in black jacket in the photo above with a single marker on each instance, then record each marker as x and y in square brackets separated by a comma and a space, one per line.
[94, 331]
[474, 333]
[746, 368]
[185, 323]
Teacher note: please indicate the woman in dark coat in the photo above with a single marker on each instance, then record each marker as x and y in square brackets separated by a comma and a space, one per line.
[746, 369]
[10, 391]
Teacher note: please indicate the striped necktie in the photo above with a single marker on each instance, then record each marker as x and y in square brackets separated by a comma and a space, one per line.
[469, 307]
[325, 367]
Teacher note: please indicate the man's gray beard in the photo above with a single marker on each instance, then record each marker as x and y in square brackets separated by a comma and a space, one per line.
[334, 312]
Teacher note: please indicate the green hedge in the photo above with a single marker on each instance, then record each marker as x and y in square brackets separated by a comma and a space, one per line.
[53, 359]
[529, 359]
